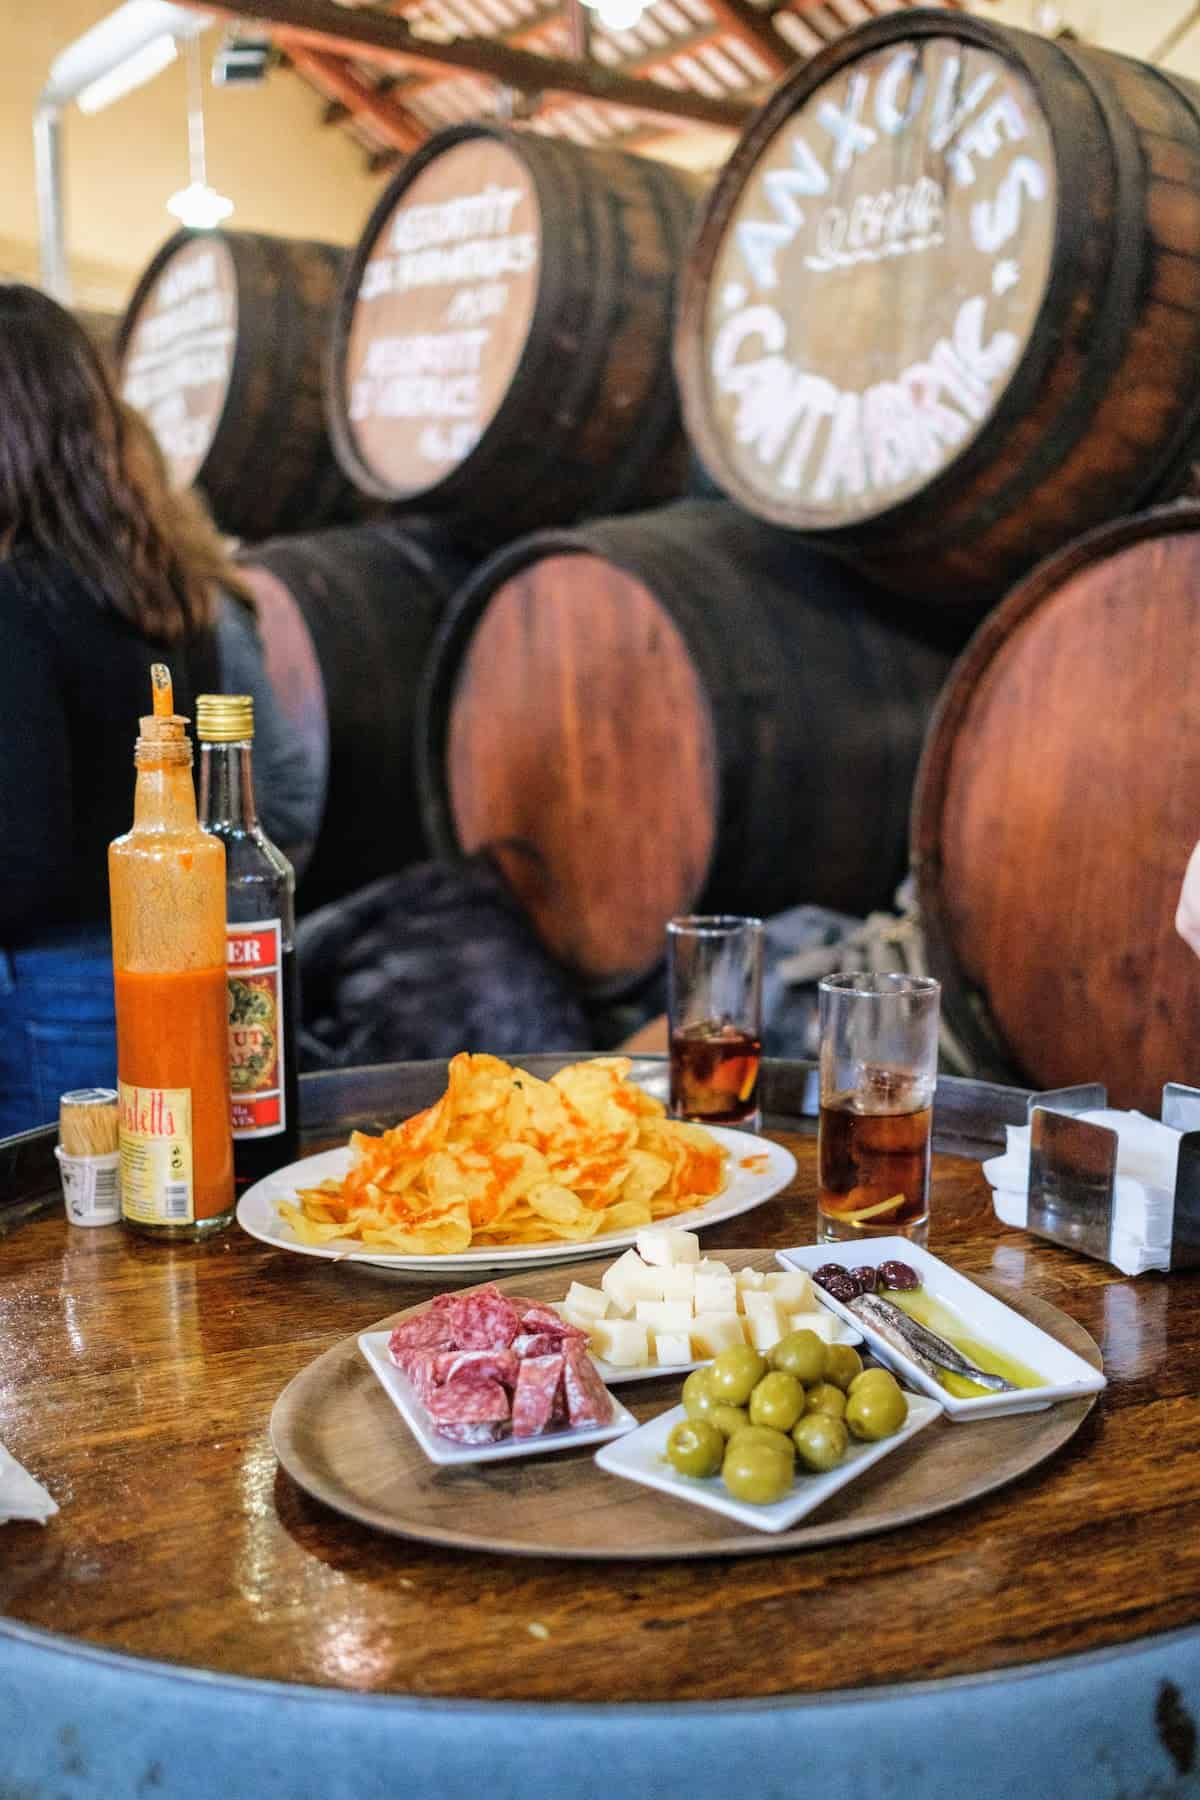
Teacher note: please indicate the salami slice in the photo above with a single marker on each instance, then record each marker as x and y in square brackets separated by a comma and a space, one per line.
[483, 1433]
[536, 1317]
[588, 1400]
[538, 1386]
[469, 1400]
[484, 1319]
[499, 1365]
[421, 1367]
[424, 1331]
[536, 1343]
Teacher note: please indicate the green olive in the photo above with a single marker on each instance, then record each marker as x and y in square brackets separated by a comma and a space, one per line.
[820, 1441]
[802, 1354]
[843, 1364]
[779, 1441]
[777, 1400]
[871, 1376]
[697, 1396]
[877, 1410]
[729, 1419]
[733, 1373]
[755, 1471]
[695, 1447]
[823, 1397]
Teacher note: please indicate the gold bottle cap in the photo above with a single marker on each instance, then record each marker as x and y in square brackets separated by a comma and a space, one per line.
[224, 718]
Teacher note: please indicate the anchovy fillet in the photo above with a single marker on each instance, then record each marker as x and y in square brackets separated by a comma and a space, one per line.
[930, 1352]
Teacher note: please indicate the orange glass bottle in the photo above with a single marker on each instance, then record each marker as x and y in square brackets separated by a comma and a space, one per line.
[167, 887]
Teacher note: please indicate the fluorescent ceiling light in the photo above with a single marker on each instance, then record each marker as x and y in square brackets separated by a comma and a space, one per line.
[618, 15]
[199, 206]
[130, 73]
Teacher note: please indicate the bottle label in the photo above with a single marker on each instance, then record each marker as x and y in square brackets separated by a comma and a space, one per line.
[156, 1155]
[254, 969]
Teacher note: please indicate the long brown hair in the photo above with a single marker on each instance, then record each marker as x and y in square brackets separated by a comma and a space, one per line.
[74, 480]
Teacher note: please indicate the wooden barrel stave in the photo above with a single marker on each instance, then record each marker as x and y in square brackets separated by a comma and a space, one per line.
[1099, 416]
[671, 710]
[267, 465]
[587, 421]
[1054, 813]
[347, 618]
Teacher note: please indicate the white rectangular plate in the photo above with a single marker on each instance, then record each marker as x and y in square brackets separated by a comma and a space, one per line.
[641, 1456]
[374, 1347]
[1067, 1376]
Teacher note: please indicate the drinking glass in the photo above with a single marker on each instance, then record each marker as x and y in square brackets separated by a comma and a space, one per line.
[714, 1013]
[879, 1041]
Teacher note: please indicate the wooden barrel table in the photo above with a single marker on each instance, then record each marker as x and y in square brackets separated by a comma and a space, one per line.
[223, 347]
[1056, 806]
[943, 308]
[502, 346]
[191, 1623]
[683, 710]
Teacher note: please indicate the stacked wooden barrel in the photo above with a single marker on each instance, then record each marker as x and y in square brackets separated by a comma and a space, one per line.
[223, 348]
[943, 312]
[502, 347]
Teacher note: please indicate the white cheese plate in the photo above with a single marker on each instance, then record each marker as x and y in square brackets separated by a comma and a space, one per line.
[373, 1346]
[989, 1321]
[641, 1456]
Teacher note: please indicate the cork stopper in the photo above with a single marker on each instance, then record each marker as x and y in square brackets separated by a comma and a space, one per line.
[225, 718]
[163, 738]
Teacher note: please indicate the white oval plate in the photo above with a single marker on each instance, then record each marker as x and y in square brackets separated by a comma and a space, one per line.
[748, 1187]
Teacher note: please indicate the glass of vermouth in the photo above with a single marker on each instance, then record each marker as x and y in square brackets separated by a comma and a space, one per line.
[714, 1016]
[879, 1042]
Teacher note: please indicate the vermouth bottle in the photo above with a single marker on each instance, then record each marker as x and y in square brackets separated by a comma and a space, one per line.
[260, 944]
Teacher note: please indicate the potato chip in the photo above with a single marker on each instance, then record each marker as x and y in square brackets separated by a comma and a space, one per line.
[505, 1158]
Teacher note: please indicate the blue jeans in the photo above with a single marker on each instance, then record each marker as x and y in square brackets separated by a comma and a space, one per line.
[57, 1023]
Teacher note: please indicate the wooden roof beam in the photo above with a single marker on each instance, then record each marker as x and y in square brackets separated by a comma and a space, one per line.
[393, 123]
[371, 35]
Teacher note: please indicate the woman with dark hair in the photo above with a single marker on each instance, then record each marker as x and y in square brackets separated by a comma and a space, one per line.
[103, 571]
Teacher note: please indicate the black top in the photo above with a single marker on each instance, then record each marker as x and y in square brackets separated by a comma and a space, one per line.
[74, 681]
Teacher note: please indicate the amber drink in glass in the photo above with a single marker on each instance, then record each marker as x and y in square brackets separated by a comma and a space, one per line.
[879, 1038]
[714, 1009]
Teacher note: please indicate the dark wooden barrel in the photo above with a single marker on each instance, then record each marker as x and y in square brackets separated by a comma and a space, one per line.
[503, 336]
[681, 708]
[1058, 802]
[943, 310]
[347, 619]
[223, 347]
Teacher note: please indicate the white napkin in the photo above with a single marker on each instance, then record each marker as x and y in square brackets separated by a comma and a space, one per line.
[21, 1497]
[1143, 1190]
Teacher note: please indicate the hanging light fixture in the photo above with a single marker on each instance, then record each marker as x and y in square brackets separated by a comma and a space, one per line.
[618, 15]
[198, 206]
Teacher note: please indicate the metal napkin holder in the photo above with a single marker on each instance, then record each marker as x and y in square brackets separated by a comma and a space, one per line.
[1073, 1166]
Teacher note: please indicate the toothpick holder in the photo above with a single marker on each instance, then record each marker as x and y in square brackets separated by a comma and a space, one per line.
[1073, 1166]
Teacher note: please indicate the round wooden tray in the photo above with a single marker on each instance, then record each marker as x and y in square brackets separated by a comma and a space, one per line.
[339, 1437]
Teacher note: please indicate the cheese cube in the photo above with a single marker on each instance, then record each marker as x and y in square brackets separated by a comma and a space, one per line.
[672, 1347]
[678, 1283]
[792, 1288]
[664, 1315]
[665, 1246]
[749, 1278]
[765, 1321]
[707, 1267]
[715, 1293]
[627, 1281]
[821, 1321]
[589, 1301]
[583, 1321]
[713, 1332]
[621, 1341]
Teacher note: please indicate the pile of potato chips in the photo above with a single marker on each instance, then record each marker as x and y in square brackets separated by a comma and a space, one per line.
[503, 1158]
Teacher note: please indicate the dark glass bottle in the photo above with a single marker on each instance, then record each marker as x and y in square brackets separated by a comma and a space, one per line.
[260, 940]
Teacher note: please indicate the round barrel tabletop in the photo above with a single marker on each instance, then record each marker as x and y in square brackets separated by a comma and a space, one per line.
[189, 1610]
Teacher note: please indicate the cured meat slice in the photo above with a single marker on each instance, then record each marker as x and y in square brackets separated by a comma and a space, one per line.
[536, 1343]
[540, 1318]
[484, 1319]
[483, 1433]
[421, 1367]
[469, 1400]
[424, 1331]
[499, 1365]
[538, 1386]
[588, 1400]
